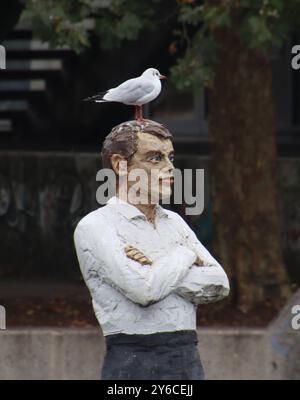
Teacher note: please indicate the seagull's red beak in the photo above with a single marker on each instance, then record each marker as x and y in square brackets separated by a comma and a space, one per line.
[162, 77]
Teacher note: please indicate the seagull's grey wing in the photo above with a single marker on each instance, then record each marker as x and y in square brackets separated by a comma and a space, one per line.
[131, 91]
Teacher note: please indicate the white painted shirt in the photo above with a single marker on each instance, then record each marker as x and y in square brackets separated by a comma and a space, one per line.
[142, 299]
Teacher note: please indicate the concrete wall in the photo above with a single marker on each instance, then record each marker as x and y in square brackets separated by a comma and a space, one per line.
[78, 354]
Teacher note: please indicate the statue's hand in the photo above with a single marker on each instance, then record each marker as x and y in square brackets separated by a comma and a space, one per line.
[136, 255]
[199, 262]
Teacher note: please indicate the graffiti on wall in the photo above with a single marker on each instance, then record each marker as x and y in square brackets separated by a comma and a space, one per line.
[56, 203]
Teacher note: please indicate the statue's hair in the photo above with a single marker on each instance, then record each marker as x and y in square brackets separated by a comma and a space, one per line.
[123, 139]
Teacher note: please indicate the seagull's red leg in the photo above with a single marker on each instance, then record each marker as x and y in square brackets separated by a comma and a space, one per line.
[136, 112]
[141, 113]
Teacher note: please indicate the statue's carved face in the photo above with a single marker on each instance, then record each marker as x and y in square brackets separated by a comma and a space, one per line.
[156, 155]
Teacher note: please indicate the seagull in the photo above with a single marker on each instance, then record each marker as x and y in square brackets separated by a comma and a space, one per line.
[136, 91]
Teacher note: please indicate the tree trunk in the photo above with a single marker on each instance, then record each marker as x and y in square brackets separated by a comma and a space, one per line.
[247, 230]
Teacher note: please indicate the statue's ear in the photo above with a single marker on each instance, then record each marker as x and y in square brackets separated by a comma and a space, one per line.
[119, 164]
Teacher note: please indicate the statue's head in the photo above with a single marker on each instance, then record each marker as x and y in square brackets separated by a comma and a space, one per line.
[145, 145]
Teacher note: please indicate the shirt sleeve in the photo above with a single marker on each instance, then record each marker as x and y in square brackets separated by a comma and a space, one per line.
[105, 259]
[202, 284]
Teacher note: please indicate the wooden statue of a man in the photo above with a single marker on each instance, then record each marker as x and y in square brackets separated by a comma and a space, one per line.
[144, 267]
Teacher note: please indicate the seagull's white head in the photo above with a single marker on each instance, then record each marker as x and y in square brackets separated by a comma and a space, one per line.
[153, 73]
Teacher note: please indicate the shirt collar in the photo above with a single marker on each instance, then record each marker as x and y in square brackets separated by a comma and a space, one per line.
[130, 211]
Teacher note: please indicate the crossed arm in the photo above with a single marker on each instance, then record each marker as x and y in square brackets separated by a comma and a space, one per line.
[205, 281]
[106, 257]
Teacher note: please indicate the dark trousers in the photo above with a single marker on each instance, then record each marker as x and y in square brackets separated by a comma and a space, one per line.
[158, 356]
